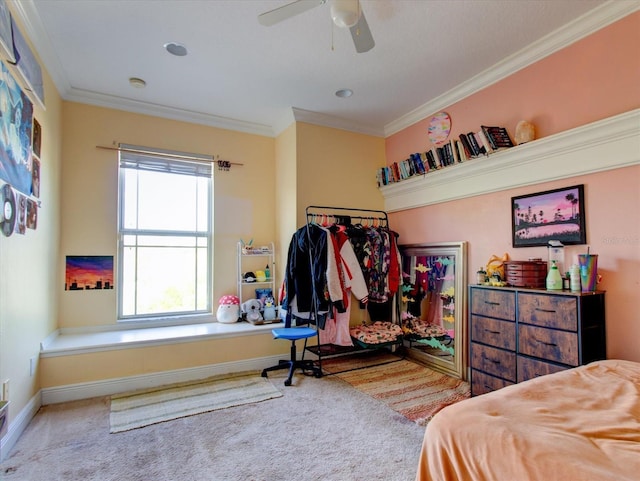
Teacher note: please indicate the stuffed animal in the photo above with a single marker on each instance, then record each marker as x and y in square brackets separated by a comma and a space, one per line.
[269, 309]
[228, 309]
[495, 266]
[251, 309]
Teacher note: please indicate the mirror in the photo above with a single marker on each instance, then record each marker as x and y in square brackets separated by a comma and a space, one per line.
[432, 305]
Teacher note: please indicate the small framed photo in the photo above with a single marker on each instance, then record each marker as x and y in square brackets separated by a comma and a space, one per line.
[37, 138]
[551, 215]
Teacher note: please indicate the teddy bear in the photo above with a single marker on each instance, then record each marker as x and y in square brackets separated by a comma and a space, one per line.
[269, 309]
[228, 309]
[251, 309]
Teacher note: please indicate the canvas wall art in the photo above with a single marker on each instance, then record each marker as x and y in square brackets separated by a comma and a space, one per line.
[551, 215]
[88, 273]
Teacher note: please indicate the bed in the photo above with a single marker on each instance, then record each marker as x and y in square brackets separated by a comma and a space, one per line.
[580, 424]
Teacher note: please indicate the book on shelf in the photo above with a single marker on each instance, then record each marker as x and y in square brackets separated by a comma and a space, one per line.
[498, 137]
[462, 155]
[448, 153]
[481, 148]
[466, 146]
[425, 162]
[418, 164]
[431, 159]
[484, 141]
[454, 151]
[477, 148]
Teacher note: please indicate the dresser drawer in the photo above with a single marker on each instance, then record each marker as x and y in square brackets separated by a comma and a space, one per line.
[493, 303]
[549, 344]
[482, 383]
[494, 361]
[548, 311]
[531, 368]
[493, 332]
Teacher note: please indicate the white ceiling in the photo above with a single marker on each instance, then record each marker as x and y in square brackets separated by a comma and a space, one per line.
[244, 76]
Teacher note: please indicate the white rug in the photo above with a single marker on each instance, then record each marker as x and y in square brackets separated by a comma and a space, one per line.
[141, 408]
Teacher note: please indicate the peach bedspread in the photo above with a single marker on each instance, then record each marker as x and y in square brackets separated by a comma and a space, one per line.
[580, 424]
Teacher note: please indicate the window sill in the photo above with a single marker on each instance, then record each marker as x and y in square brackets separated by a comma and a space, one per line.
[71, 342]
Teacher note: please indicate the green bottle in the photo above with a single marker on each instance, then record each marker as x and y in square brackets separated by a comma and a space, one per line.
[554, 279]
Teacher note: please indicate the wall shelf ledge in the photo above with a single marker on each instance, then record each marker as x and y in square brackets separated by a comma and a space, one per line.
[606, 144]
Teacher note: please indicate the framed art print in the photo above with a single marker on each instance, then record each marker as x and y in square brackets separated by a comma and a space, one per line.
[439, 128]
[551, 215]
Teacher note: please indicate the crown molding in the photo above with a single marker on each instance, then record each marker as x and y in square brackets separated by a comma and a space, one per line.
[579, 28]
[316, 118]
[27, 14]
[146, 108]
[607, 144]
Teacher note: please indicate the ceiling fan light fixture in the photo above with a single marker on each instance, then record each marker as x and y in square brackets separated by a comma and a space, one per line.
[345, 13]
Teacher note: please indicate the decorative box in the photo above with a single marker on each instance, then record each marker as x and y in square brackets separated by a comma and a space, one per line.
[526, 273]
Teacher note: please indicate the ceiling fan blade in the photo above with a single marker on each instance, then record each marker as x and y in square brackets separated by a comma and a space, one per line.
[287, 11]
[362, 38]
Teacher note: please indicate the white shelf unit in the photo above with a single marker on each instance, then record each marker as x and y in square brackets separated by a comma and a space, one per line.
[252, 260]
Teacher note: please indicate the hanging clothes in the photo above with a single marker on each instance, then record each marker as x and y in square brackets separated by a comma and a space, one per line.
[306, 292]
[336, 330]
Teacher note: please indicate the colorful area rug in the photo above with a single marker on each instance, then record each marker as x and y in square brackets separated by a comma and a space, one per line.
[151, 406]
[408, 388]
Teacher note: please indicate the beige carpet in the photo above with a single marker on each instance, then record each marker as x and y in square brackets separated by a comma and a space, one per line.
[151, 406]
[319, 430]
[407, 387]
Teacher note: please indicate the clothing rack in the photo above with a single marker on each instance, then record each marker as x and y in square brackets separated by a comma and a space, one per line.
[320, 214]
[343, 216]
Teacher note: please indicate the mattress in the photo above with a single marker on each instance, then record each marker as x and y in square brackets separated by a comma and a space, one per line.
[578, 424]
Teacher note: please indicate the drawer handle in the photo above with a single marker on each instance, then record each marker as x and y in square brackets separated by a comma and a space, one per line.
[492, 303]
[550, 311]
[490, 331]
[490, 360]
[551, 344]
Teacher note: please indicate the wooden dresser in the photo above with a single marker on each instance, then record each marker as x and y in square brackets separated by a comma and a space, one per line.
[518, 333]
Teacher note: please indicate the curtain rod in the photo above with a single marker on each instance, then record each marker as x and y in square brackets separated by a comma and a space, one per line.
[161, 154]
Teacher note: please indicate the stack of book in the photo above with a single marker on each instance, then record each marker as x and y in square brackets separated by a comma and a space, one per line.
[468, 146]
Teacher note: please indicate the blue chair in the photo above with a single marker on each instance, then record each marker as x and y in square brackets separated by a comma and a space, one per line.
[294, 334]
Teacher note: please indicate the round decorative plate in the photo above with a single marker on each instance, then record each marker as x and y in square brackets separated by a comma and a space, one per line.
[439, 127]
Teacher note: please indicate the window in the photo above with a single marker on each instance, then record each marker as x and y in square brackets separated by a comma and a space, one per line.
[164, 230]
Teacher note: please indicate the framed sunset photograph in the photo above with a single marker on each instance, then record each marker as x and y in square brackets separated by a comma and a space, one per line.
[551, 215]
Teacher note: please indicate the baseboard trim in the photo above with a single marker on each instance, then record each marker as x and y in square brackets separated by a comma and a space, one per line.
[19, 424]
[107, 387]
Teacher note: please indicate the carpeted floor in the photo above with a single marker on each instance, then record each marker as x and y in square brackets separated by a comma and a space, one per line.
[319, 430]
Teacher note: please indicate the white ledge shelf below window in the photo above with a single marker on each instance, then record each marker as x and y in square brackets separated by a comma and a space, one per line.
[607, 144]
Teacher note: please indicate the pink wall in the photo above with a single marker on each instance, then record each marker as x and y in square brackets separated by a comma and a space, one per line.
[595, 78]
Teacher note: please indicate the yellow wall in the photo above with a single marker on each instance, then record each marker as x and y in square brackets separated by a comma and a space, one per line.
[337, 168]
[244, 197]
[29, 276]
[286, 192]
[114, 364]
[264, 199]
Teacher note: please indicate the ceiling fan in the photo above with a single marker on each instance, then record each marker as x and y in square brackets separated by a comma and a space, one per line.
[345, 14]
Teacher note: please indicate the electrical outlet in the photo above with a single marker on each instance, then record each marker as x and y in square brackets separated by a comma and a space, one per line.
[5, 390]
[32, 365]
